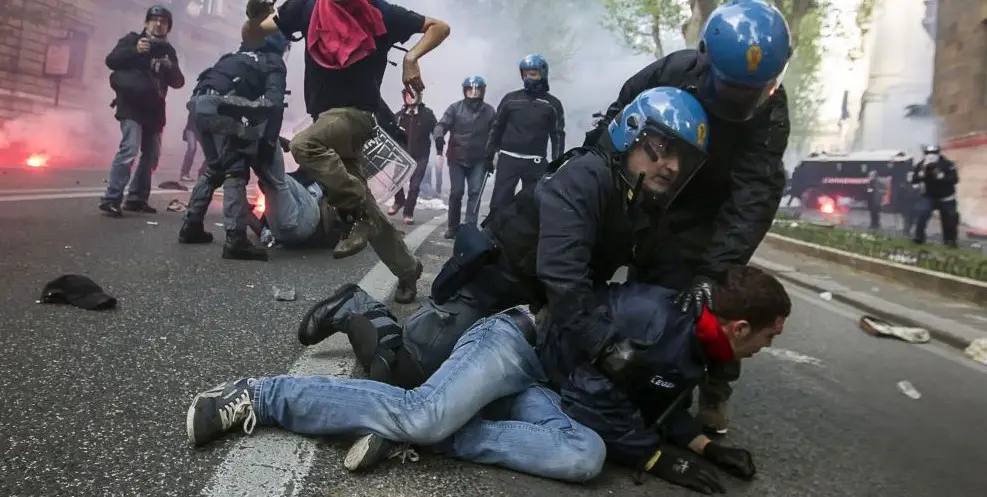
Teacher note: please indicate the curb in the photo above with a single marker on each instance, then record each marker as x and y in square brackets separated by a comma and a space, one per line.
[937, 333]
[944, 284]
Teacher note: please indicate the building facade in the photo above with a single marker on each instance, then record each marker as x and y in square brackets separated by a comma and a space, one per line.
[41, 110]
[960, 99]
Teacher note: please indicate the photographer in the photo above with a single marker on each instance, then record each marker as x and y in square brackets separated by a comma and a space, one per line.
[939, 176]
[144, 66]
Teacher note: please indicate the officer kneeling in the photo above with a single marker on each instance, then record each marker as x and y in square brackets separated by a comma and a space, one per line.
[552, 246]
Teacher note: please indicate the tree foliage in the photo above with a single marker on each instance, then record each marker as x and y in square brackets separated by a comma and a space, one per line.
[642, 24]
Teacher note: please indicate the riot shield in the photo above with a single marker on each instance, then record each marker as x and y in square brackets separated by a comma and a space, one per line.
[385, 164]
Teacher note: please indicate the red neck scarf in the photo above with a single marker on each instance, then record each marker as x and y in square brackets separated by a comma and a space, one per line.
[342, 33]
[714, 340]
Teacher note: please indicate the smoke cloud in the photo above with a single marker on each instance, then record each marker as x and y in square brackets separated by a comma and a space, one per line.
[589, 78]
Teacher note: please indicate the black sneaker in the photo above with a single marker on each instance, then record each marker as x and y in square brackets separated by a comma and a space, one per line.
[111, 209]
[321, 321]
[220, 409]
[371, 449]
[141, 207]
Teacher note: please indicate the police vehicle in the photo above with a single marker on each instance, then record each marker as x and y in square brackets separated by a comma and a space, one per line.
[831, 183]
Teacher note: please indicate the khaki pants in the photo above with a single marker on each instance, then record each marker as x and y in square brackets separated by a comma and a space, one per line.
[329, 151]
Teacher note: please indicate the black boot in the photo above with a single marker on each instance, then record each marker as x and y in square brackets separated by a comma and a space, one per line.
[238, 247]
[194, 232]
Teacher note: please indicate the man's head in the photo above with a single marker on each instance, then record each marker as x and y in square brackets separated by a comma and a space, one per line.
[411, 98]
[746, 45]
[662, 137]
[534, 72]
[932, 153]
[157, 21]
[474, 88]
[751, 306]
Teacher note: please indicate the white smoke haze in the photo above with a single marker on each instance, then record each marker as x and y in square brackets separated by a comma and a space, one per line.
[88, 135]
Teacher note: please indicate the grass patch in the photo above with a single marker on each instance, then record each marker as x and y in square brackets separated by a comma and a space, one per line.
[958, 262]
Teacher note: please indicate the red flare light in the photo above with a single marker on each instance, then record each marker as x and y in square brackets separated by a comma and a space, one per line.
[37, 160]
[260, 204]
[827, 205]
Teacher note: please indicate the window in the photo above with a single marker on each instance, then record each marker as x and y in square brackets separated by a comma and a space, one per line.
[214, 7]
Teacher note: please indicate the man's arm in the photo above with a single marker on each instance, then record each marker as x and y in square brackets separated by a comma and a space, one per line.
[435, 32]
[174, 77]
[274, 91]
[124, 55]
[557, 134]
[951, 174]
[758, 180]
[572, 203]
[497, 130]
[442, 127]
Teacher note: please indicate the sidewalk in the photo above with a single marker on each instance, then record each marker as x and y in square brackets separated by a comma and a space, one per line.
[952, 322]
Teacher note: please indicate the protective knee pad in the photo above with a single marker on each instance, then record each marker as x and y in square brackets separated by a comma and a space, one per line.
[392, 364]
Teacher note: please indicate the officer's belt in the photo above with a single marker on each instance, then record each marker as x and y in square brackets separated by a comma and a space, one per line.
[524, 322]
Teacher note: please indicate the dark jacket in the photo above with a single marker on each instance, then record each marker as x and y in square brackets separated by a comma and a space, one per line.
[468, 124]
[524, 123]
[254, 71]
[737, 192]
[564, 237]
[623, 411]
[937, 188]
[418, 122]
[141, 91]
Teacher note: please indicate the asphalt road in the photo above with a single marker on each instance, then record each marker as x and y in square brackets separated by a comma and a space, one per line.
[94, 403]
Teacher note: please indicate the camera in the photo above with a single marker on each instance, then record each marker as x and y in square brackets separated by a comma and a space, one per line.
[159, 48]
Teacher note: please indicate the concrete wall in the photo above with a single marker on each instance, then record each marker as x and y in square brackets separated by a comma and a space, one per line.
[960, 99]
[901, 74]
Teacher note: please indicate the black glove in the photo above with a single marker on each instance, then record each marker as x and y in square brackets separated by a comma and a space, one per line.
[735, 461]
[698, 295]
[488, 165]
[686, 469]
[285, 144]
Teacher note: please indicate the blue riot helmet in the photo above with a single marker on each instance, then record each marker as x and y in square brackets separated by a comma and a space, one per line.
[534, 72]
[747, 45]
[670, 127]
[474, 88]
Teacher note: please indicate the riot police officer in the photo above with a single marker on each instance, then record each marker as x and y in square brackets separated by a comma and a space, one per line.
[939, 176]
[550, 247]
[526, 120]
[722, 216]
[249, 83]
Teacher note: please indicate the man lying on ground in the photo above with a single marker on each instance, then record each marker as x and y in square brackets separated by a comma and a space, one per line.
[635, 396]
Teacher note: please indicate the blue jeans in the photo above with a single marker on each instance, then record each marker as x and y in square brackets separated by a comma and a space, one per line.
[292, 210]
[492, 367]
[136, 138]
[470, 179]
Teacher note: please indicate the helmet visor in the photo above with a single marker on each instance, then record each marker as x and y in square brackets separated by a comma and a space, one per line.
[667, 163]
[473, 92]
[734, 102]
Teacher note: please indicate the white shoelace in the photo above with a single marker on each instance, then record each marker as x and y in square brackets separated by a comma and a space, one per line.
[404, 453]
[230, 412]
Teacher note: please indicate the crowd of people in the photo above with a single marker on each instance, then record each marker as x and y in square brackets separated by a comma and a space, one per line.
[524, 354]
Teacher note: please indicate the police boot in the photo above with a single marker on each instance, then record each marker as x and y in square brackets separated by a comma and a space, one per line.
[352, 311]
[407, 290]
[360, 231]
[194, 232]
[238, 247]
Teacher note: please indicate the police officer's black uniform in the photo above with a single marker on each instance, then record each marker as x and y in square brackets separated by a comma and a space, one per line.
[525, 121]
[249, 83]
[722, 215]
[939, 178]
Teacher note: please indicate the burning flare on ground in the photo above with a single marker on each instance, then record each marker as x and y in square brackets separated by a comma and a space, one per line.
[259, 204]
[37, 160]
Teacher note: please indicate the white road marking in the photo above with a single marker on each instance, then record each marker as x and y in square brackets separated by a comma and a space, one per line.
[274, 463]
[69, 193]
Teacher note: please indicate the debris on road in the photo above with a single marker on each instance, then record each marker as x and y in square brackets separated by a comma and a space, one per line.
[977, 350]
[79, 291]
[177, 206]
[909, 390]
[792, 356]
[173, 185]
[883, 329]
[285, 294]
[827, 296]
[152, 223]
